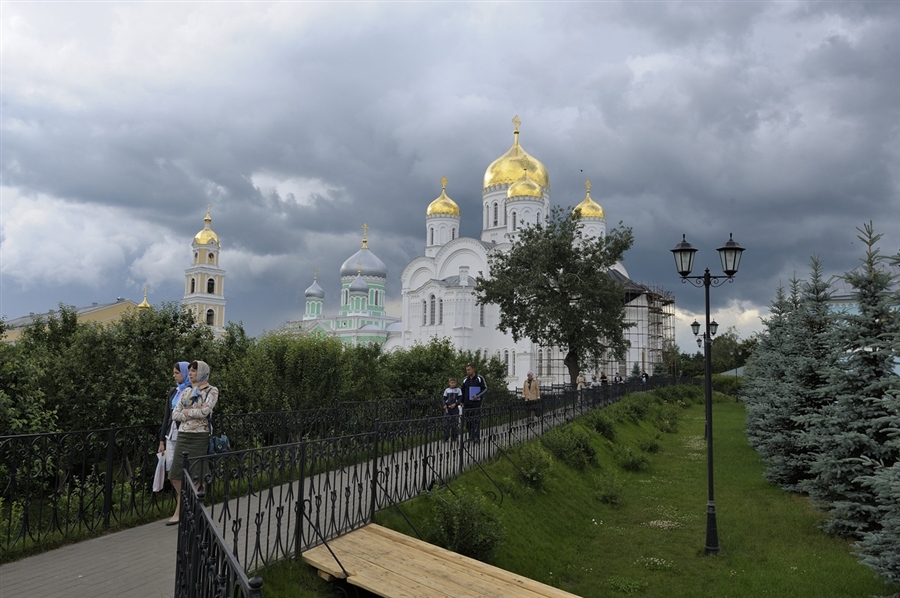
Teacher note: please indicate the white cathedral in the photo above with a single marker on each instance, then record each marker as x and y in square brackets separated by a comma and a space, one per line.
[438, 298]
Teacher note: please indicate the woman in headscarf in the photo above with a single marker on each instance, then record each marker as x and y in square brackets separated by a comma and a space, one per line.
[192, 410]
[169, 430]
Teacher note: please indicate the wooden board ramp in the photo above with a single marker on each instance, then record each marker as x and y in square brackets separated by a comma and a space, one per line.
[390, 564]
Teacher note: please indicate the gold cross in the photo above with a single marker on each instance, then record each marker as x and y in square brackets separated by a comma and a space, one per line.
[365, 228]
[587, 185]
[516, 122]
[443, 183]
[315, 273]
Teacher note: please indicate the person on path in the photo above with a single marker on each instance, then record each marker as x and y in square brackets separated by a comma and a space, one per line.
[473, 390]
[193, 411]
[452, 406]
[531, 393]
[169, 430]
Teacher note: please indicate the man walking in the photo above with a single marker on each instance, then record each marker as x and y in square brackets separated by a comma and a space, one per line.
[473, 389]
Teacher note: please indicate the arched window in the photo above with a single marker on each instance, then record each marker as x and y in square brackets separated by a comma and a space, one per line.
[514, 221]
[513, 360]
[345, 297]
[196, 257]
[481, 315]
[538, 219]
[431, 319]
[496, 212]
[193, 285]
[424, 312]
[540, 362]
[506, 360]
[440, 311]
[452, 233]
[210, 317]
[210, 286]
[431, 235]
[211, 258]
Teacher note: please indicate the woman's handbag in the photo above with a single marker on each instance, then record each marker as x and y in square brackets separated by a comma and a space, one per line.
[218, 444]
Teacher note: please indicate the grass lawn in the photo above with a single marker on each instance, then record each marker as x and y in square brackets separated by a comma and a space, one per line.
[652, 544]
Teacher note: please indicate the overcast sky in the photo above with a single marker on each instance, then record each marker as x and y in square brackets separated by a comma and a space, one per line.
[777, 122]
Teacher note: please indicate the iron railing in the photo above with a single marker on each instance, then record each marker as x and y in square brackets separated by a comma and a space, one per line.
[276, 502]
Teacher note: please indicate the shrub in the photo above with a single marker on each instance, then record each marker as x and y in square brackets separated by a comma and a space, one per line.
[636, 406]
[608, 490]
[649, 445]
[467, 523]
[680, 394]
[536, 462]
[629, 460]
[665, 417]
[572, 445]
[602, 424]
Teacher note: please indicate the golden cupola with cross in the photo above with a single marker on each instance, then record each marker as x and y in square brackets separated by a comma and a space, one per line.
[593, 219]
[441, 221]
[516, 193]
[204, 286]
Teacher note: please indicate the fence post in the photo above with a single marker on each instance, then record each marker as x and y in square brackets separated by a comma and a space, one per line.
[300, 501]
[107, 483]
[375, 455]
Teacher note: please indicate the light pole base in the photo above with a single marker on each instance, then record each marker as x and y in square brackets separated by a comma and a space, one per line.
[712, 530]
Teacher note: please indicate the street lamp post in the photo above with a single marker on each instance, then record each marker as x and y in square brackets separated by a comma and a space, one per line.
[730, 255]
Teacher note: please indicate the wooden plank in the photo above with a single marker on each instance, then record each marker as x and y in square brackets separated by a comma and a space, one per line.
[471, 564]
[391, 564]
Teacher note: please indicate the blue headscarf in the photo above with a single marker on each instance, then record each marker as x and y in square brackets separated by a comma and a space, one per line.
[186, 381]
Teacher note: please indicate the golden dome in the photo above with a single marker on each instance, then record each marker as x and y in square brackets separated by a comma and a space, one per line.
[508, 168]
[525, 187]
[589, 208]
[207, 235]
[143, 305]
[443, 204]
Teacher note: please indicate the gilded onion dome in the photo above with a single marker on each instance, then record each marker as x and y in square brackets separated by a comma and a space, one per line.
[525, 187]
[443, 204]
[508, 168]
[589, 208]
[143, 305]
[207, 236]
[364, 262]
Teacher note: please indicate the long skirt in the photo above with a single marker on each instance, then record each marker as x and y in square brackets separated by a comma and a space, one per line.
[196, 444]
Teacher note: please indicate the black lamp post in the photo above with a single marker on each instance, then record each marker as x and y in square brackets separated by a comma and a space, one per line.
[730, 255]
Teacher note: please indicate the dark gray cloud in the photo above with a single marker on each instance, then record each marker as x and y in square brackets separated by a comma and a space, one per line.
[298, 123]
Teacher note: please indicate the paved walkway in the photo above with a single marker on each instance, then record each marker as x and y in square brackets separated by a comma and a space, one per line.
[134, 563]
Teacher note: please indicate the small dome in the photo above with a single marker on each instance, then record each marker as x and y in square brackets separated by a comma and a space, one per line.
[364, 262]
[508, 168]
[443, 204]
[589, 208]
[525, 187]
[207, 236]
[359, 286]
[315, 291]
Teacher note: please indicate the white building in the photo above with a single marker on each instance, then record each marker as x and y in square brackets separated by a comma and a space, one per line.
[438, 298]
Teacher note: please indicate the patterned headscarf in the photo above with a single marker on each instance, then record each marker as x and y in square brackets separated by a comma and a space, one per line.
[202, 376]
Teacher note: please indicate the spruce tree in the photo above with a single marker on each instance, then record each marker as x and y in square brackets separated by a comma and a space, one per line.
[852, 430]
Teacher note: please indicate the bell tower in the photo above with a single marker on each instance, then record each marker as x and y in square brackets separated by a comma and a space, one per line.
[204, 280]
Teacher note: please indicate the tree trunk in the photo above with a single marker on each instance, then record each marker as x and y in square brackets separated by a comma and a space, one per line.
[571, 362]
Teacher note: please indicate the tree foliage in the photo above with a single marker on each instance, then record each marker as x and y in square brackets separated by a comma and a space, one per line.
[553, 287]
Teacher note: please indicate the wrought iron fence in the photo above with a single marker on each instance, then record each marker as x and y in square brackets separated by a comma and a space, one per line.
[276, 502]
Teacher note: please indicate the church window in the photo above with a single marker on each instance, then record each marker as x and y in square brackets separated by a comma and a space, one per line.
[195, 257]
[496, 212]
[538, 219]
[452, 233]
[514, 221]
[424, 312]
[210, 317]
[193, 285]
[513, 359]
[540, 362]
[506, 360]
[211, 286]
[440, 311]
[431, 320]
[431, 233]
[211, 258]
[481, 315]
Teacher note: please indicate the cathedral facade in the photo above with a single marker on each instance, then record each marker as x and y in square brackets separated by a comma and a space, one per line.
[438, 298]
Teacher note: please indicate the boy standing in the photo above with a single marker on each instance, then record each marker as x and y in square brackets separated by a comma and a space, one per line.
[452, 405]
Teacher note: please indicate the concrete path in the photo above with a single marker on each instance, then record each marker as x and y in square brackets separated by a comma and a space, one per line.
[134, 563]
